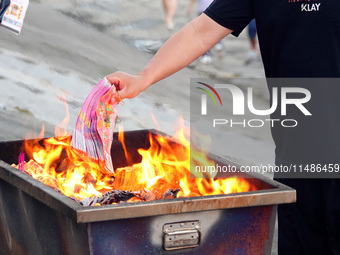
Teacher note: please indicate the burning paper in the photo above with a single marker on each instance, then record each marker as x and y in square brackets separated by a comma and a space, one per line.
[95, 125]
[37, 172]
[163, 172]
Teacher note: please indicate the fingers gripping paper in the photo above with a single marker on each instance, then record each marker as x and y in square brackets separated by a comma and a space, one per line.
[95, 125]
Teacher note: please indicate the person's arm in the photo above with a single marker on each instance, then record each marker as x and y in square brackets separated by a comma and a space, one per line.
[193, 40]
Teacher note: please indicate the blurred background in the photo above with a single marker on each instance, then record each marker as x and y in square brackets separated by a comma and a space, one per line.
[67, 46]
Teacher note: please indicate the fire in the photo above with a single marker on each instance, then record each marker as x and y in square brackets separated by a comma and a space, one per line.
[64, 169]
[165, 165]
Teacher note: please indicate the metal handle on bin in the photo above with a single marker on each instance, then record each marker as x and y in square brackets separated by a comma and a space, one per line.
[181, 235]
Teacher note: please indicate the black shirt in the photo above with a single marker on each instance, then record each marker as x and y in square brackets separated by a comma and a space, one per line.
[298, 39]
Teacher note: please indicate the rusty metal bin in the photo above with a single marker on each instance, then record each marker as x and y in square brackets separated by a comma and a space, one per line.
[36, 219]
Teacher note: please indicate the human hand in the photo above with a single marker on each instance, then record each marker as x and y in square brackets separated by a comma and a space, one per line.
[128, 85]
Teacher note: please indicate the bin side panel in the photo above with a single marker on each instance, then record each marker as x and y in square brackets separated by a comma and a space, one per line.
[28, 226]
[238, 231]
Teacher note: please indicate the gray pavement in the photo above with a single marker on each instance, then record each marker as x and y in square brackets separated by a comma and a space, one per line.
[67, 46]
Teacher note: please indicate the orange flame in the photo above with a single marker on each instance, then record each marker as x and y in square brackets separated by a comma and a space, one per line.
[165, 165]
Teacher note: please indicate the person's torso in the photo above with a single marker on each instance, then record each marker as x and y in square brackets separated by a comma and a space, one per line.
[301, 39]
